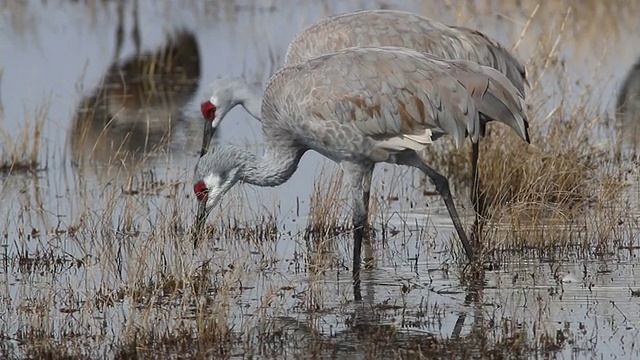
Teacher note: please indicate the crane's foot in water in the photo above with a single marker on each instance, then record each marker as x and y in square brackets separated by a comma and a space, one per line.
[473, 275]
[367, 243]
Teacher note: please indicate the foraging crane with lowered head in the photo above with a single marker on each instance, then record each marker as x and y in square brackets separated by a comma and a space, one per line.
[362, 106]
[373, 28]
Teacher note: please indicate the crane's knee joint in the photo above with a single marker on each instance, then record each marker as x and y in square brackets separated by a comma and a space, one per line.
[442, 185]
[359, 223]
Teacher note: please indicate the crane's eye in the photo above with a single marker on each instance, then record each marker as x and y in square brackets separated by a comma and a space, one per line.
[201, 191]
[208, 110]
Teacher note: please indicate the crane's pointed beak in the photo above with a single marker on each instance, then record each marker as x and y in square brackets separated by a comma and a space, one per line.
[201, 218]
[204, 208]
[207, 134]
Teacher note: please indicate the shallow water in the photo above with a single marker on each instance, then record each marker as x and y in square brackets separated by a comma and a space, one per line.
[98, 221]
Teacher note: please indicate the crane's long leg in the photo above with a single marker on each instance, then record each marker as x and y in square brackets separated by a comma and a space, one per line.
[474, 170]
[442, 186]
[207, 134]
[201, 217]
[475, 196]
[479, 206]
[356, 174]
[366, 196]
[366, 188]
[198, 227]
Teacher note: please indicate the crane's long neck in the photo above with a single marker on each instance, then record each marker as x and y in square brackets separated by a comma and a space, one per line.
[274, 168]
[251, 99]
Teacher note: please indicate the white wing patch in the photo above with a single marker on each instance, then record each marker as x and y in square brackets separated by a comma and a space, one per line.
[407, 142]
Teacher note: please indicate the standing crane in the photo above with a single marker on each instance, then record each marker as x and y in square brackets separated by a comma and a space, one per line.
[375, 28]
[358, 107]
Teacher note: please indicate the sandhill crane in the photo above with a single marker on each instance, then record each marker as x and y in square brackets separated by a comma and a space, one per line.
[374, 28]
[359, 107]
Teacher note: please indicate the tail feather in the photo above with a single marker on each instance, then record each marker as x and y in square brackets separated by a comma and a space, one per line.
[502, 103]
[490, 52]
[496, 98]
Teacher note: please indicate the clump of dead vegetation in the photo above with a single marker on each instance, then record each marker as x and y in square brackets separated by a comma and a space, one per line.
[563, 169]
[329, 219]
[330, 206]
[327, 206]
[565, 176]
[21, 152]
[567, 187]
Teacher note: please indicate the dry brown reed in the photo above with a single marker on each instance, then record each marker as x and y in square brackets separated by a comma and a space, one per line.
[589, 25]
[570, 172]
[327, 205]
[328, 219]
[21, 152]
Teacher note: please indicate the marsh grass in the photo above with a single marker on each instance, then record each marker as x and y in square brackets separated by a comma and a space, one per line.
[328, 205]
[565, 188]
[141, 265]
[235, 219]
[296, 338]
[590, 24]
[21, 152]
[328, 219]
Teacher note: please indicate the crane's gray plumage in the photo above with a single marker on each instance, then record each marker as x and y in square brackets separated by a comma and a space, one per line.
[404, 29]
[495, 96]
[358, 107]
[388, 105]
[377, 28]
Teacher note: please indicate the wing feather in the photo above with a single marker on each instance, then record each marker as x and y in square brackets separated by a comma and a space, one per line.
[394, 96]
[494, 95]
[404, 29]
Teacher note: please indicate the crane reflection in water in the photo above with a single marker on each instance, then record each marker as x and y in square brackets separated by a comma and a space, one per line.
[134, 111]
[628, 110]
